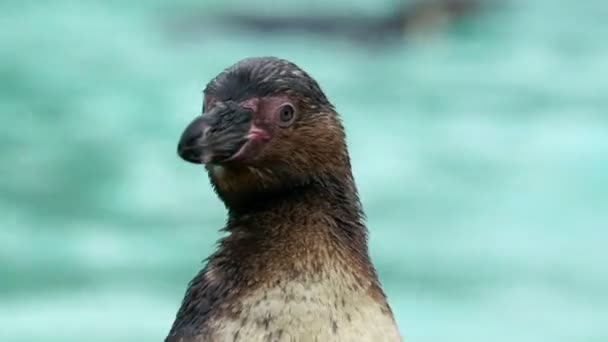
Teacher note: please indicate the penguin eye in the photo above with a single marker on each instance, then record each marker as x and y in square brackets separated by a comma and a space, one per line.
[286, 115]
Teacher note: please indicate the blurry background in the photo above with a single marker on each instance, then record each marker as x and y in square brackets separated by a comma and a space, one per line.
[479, 140]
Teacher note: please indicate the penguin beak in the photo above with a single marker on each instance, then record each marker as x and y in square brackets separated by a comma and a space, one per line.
[215, 136]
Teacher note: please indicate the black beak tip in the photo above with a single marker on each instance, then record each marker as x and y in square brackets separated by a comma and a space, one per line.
[189, 147]
[189, 154]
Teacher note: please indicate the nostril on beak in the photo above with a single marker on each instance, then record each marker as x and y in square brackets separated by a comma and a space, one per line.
[205, 132]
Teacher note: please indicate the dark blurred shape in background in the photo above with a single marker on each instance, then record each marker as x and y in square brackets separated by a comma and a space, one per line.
[480, 152]
[392, 27]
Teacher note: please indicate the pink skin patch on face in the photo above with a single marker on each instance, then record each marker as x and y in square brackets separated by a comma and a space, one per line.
[251, 104]
[263, 123]
[257, 133]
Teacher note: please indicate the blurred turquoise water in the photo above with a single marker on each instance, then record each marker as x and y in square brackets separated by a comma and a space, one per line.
[481, 155]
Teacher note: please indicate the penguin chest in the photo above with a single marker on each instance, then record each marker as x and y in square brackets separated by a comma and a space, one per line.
[303, 313]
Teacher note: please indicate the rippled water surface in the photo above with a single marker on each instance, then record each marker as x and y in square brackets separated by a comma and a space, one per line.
[481, 155]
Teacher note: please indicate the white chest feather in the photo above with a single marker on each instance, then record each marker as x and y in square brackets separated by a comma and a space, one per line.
[311, 313]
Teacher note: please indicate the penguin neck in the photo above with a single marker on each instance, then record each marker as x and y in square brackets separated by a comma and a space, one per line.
[301, 230]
